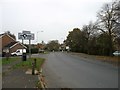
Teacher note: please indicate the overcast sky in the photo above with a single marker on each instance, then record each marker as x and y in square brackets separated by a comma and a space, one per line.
[54, 17]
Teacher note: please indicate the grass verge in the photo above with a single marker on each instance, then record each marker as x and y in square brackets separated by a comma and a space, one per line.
[10, 60]
[115, 60]
[28, 63]
[38, 84]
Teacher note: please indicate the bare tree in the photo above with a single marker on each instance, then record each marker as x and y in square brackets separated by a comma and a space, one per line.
[107, 20]
[89, 32]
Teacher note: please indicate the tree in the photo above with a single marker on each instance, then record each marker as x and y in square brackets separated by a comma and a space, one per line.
[117, 24]
[75, 40]
[102, 44]
[89, 33]
[72, 39]
[116, 9]
[106, 23]
[53, 45]
[100, 37]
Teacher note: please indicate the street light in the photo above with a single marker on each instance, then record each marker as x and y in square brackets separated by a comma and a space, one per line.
[37, 35]
[37, 39]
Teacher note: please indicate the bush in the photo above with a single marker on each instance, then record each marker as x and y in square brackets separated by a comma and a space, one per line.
[33, 50]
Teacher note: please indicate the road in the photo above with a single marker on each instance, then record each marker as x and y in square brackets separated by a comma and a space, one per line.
[63, 70]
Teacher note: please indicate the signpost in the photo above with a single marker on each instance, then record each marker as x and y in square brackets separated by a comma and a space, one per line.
[26, 35]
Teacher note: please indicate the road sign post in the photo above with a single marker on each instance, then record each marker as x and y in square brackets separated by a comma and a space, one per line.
[29, 48]
[26, 35]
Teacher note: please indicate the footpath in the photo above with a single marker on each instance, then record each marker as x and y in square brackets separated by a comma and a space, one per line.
[17, 78]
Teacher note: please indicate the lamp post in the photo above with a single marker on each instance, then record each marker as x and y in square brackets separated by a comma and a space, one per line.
[37, 40]
[37, 35]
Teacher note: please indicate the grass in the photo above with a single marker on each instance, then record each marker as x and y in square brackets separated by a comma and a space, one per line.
[10, 60]
[38, 84]
[115, 60]
[0, 63]
[28, 63]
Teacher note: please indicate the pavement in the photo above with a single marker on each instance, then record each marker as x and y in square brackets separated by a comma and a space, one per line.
[17, 78]
[63, 70]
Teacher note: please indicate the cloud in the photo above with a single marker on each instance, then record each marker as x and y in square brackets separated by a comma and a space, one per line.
[55, 17]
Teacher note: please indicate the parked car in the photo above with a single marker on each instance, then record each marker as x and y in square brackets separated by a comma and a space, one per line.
[18, 52]
[116, 53]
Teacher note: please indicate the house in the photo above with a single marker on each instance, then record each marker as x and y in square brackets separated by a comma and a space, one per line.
[9, 44]
[40, 47]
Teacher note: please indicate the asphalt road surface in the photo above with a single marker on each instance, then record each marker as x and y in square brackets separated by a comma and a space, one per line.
[63, 70]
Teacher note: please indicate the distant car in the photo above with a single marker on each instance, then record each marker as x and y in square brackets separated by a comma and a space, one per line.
[116, 53]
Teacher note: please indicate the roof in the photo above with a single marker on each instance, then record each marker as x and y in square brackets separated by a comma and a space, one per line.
[10, 44]
[18, 43]
[1, 35]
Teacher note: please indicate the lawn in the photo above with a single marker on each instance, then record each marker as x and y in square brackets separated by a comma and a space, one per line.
[10, 60]
[28, 63]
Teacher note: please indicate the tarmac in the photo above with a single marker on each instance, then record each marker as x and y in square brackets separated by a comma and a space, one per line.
[17, 78]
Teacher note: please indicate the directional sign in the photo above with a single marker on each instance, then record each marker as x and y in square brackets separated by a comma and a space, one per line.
[20, 35]
[25, 36]
[30, 36]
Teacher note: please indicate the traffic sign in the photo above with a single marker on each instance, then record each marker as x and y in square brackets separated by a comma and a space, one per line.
[20, 35]
[30, 36]
[26, 36]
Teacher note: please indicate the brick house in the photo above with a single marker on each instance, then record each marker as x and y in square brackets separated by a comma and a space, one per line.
[40, 47]
[9, 44]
